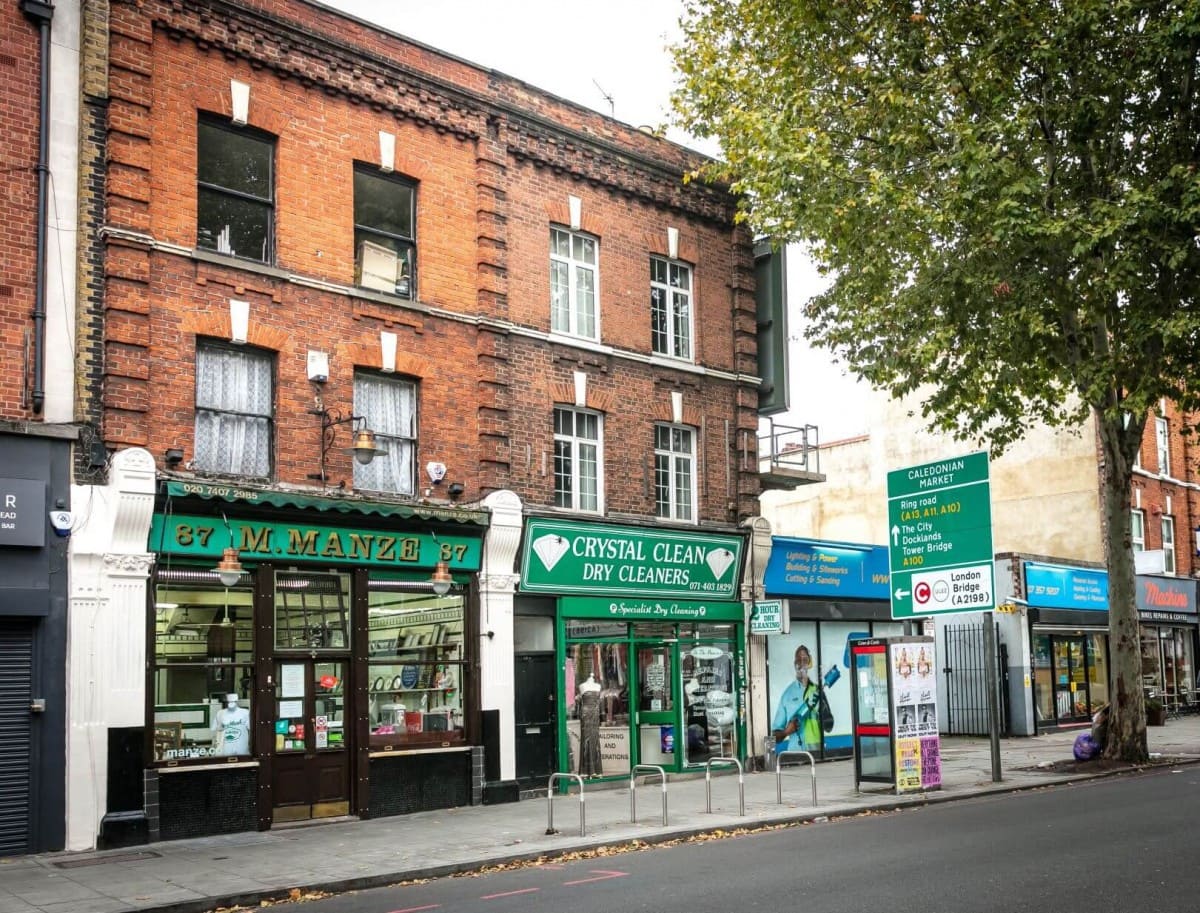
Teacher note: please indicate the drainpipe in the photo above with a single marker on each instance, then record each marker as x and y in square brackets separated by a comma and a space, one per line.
[40, 14]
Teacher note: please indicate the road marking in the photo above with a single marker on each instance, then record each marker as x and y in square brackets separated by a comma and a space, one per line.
[601, 875]
[431, 906]
[510, 893]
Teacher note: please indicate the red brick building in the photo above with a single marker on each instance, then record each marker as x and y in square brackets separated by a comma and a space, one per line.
[376, 315]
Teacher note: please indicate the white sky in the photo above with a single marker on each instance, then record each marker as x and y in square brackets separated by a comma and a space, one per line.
[616, 48]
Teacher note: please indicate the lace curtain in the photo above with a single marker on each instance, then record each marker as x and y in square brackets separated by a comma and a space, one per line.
[390, 409]
[233, 412]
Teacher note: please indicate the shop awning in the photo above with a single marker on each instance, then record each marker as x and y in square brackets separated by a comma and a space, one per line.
[346, 504]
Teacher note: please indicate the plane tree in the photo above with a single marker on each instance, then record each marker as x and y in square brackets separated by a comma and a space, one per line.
[1003, 194]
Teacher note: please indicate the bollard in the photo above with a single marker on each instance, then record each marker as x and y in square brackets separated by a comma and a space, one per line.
[779, 758]
[554, 778]
[708, 783]
[633, 790]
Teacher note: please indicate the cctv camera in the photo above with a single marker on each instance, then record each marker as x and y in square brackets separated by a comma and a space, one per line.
[61, 520]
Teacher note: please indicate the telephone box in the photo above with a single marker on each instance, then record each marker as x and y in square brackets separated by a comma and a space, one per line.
[894, 708]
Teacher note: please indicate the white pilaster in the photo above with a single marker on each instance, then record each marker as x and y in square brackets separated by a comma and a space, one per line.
[106, 633]
[497, 584]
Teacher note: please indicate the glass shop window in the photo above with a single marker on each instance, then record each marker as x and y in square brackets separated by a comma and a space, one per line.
[203, 667]
[597, 677]
[416, 644]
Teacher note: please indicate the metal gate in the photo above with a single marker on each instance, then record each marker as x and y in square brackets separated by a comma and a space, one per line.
[964, 674]
[16, 691]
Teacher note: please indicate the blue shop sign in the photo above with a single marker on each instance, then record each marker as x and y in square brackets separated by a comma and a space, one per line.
[827, 570]
[1051, 586]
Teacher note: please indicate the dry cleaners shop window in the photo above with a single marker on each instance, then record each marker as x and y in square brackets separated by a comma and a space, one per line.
[203, 667]
[415, 675]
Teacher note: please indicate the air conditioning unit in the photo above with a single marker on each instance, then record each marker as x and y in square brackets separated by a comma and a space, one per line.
[377, 267]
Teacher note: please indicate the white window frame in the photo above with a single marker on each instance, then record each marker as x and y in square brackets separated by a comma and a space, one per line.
[675, 290]
[218, 416]
[1168, 544]
[1162, 443]
[573, 320]
[579, 449]
[1137, 530]
[394, 472]
[679, 465]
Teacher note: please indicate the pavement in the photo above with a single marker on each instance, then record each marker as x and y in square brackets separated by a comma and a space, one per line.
[190, 876]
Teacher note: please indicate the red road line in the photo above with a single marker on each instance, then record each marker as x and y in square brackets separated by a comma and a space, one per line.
[510, 893]
[602, 875]
[431, 906]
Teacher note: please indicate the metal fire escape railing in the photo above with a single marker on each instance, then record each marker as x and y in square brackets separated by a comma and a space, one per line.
[788, 449]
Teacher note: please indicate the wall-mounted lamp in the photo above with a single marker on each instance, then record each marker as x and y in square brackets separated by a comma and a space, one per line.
[229, 568]
[365, 448]
[441, 580]
[455, 489]
[173, 456]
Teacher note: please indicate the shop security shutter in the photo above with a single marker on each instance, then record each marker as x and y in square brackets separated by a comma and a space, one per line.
[16, 682]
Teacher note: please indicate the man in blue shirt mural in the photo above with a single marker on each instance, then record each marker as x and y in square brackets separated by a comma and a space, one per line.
[796, 724]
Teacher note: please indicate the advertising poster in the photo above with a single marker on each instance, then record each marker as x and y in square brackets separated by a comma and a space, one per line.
[808, 686]
[914, 712]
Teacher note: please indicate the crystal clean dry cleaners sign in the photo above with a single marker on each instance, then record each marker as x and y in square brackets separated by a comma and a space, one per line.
[565, 557]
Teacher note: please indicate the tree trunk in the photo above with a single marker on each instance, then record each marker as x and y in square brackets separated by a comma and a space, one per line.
[1127, 716]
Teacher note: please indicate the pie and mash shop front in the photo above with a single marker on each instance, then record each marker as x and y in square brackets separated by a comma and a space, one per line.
[329, 675]
[648, 643]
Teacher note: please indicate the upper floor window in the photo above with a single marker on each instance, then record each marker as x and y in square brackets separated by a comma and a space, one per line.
[578, 459]
[235, 196]
[670, 308]
[674, 472]
[1162, 442]
[384, 232]
[574, 272]
[1168, 541]
[389, 407]
[1137, 530]
[234, 397]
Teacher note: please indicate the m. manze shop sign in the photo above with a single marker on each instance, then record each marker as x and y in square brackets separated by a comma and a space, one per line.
[181, 534]
[565, 557]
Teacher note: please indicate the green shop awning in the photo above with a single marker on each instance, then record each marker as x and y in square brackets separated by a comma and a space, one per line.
[345, 504]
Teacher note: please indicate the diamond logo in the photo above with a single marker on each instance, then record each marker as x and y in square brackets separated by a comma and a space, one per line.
[718, 561]
[550, 548]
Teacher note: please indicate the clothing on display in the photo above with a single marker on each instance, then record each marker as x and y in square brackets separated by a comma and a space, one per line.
[231, 729]
[589, 728]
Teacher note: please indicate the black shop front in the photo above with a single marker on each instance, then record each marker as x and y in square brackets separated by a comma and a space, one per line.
[310, 657]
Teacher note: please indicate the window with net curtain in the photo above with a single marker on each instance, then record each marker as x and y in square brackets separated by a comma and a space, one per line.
[234, 410]
[388, 406]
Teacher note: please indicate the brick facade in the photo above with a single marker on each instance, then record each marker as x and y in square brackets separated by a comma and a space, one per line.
[19, 62]
[495, 163]
[1170, 491]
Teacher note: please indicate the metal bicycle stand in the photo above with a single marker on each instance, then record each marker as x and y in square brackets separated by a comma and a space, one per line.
[708, 783]
[793, 752]
[633, 790]
[554, 778]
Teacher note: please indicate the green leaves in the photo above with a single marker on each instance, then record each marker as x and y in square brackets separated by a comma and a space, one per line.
[1005, 193]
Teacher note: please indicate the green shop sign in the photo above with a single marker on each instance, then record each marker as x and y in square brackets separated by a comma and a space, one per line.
[591, 558]
[201, 537]
[635, 609]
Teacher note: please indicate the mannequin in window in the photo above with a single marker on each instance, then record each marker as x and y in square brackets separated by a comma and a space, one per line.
[231, 729]
[589, 727]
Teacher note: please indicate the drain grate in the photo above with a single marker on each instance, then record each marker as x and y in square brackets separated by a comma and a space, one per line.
[105, 860]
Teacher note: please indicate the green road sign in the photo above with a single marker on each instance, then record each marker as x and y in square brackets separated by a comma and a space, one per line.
[940, 537]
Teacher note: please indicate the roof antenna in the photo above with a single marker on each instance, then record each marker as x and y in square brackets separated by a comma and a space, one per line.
[612, 108]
